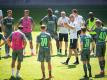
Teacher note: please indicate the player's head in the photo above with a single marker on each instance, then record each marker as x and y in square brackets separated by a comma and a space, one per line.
[72, 17]
[50, 12]
[9, 13]
[83, 30]
[43, 28]
[91, 14]
[75, 12]
[26, 12]
[63, 14]
[98, 23]
[20, 27]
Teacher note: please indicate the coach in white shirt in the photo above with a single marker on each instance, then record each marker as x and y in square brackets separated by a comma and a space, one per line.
[80, 22]
[63, 31]
[73, 38]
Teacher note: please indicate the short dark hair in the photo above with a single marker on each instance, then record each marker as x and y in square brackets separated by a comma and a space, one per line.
[75, 10]
[83, 29]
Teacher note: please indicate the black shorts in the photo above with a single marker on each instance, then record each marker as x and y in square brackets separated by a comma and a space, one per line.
[63, 36]
[73, 43]
[78, 33]
[100, 50]
[93, 37]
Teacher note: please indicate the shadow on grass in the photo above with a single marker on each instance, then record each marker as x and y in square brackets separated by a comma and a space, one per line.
[71, 66]
[27, 56]
[86, 78]
[58, 56]
[98, 76]
[42, 79]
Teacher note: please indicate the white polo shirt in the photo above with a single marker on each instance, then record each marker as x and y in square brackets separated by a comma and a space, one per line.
[73, 32]
[79, 20]
[63, 29]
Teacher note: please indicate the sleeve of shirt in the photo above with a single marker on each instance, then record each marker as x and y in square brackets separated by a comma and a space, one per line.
[4, 21]
[32, 19]
[2, 37]
[37, 39]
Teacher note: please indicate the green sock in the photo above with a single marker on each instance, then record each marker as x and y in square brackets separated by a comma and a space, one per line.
[89, 68]
[85, 69]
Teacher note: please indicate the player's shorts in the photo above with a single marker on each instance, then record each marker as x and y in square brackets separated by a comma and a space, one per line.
[73, 43]
[93, 37]
[63, 36]
[44, 55]
[100, 50]
[17, 54]
[78, 33]
[28, 36]
[85, 55]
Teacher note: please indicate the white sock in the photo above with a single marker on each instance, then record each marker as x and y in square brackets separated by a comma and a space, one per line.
[12, 71]
[17, 73]
[32, 51]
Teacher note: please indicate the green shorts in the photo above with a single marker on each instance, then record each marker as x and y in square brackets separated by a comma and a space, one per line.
[28, 36]
[17, 54]
[44, 55]
[100, 50]
[85, 55]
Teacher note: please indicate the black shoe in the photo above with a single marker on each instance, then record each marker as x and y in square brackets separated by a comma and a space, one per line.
[12, 78]
[19, 78]
[85, 76]
[65, 63]
[90, 75]
[76, 62]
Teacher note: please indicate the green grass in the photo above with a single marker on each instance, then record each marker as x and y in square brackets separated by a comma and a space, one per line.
[31, 67]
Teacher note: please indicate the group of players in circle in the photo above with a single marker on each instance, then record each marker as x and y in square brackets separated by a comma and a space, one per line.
[85, 37]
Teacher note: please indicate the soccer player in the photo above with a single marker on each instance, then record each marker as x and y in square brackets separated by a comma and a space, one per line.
[85, 51]
[17, 41]
[80, 22]
[73, 39]
[44, 48]
[28, 24]
[63, 31]
[4, 40]
[90, 24]
[50, 20]
[8, 27]
[101, 33]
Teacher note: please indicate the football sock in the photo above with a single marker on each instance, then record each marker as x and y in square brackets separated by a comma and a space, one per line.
[60, 50]
[89, 68]
[67, 60]
[77, 59]
[12, 71]
[85, 69]
[17, 73]
[65, 51]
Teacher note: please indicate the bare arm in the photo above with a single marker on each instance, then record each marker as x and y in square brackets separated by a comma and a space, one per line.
[68, 26]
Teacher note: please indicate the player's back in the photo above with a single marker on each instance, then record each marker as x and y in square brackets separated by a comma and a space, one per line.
[86, 39]
[17, 40]
[43, 39]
